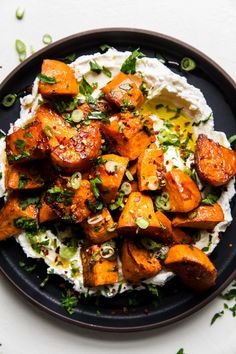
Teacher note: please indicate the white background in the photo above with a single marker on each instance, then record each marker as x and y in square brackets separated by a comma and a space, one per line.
[209, 25]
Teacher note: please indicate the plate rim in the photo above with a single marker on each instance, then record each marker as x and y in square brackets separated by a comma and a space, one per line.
[227, 281]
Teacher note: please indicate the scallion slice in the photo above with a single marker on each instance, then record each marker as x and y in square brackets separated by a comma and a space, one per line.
[129, 175]
[9, 100]
[75, 180]
[126, 188]
[187, 64]
[162, 202]
[67, 252]
[232, 139]
[47, 38]
[20, 12]
[142, 222]
[20, 46]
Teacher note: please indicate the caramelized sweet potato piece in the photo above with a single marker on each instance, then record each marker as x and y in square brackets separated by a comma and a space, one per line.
[183, 193]
[97, 106]
[203, 217]
[123, 91]
[12, 213]
[179, 236]
[54, 126]
[193, 267]
[63, 75]
[28, 143]
[129, 134]
[110, 169]
[46, 213]
[215, 164]
[70, 204]
[100, 227]
[79, 152]
[25, 176]
[137, 263]
[96, 269]
[139, 207]
[133, 167]
[151, 168]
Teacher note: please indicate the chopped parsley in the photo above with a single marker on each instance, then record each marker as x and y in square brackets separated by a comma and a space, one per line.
[99, 116]
[129, 65]
[23, 180]
[30, 201]
[85, 88]
[27, 267]
[20, 144]
[96, 68]
[18, 156]
[0, 175]
[94, 207]
[180, 351]
[27, 224]
[104, 47]
[47, 79]
[69, 301]
[216, 316]
[68, 59]
[146, 128]
[212, 198]
[93, 183]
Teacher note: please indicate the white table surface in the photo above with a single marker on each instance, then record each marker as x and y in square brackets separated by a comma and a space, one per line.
[209, 25]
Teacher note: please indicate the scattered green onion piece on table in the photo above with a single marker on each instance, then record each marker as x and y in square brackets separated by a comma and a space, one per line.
[20, 12]
[20, 46]
[47, 38]
[142, 222]
[75, 180]
[232, 139]
[187, 64]
[9, 100]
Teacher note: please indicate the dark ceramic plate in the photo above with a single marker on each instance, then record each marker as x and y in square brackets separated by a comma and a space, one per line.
[176, 302]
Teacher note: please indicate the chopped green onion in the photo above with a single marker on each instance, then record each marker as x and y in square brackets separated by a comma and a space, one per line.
[75, 180]
[20, 13]
[232, 139]
[129, 175]
[142, 222]
[93, 183]
[20, 47]
[150, 245]
[67, 252]
[104, 47]
[9, 100]
[126, 188]
[166, 137]
[111, 166]
[48, 131]
[160, 58]
[77, 115]
[112, 227]
[47, 38]
[47, 79]
[162, 202]
[107, 251]
[192, 215]
[187, 64]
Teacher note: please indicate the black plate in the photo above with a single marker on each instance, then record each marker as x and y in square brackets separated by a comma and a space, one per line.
[176, 301]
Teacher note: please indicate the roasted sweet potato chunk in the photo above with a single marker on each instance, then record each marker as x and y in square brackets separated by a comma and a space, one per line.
[70, 204]
[24, 176]
[62, 79]
[110, 169]
[100, 105]
[179, 236]
[100, 227]
[123, 91]
[96, 269]
[54, 126]
[150, 169]
[46, 213]
[203, 217]
[129, 134]
[138, 217]
[137, 263]
[184, 194]
[79, 152]
[193, 267]
[28, 143]
[12, 215]
[215, 164]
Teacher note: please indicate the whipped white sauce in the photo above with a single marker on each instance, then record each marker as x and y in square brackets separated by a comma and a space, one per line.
[164, 84]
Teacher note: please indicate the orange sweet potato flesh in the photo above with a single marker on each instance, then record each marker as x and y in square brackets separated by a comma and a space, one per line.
[97, 270]
[46, 213]
[79, 152]
[193, 267]
[203, 217]
[151, 168]
[215, 164]
[183, 193]
[128, 134]
[102, 230]
[64, 76]
[30, 173]
[10, 212]
[111, 173]
[137, 263]
[68, 203]
[28, 143]
[179, 236]
[100, 105]
[139, 205]
[54, 126]
[123, 91]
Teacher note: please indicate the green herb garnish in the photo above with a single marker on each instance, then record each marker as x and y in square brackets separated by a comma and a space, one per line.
[47, 79]
[44, 282]
[27, 224]
[20, 144]
[187, 64]
[93, 183]
[47, 39]
[95, 67]
[204, 121]
[30, 201]
[20, 12]
[23, 180]
[85, 88]
[129, 65]
[232, 139]
[216, 316]
[69, 301]
[9, 100]
[104, 47]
